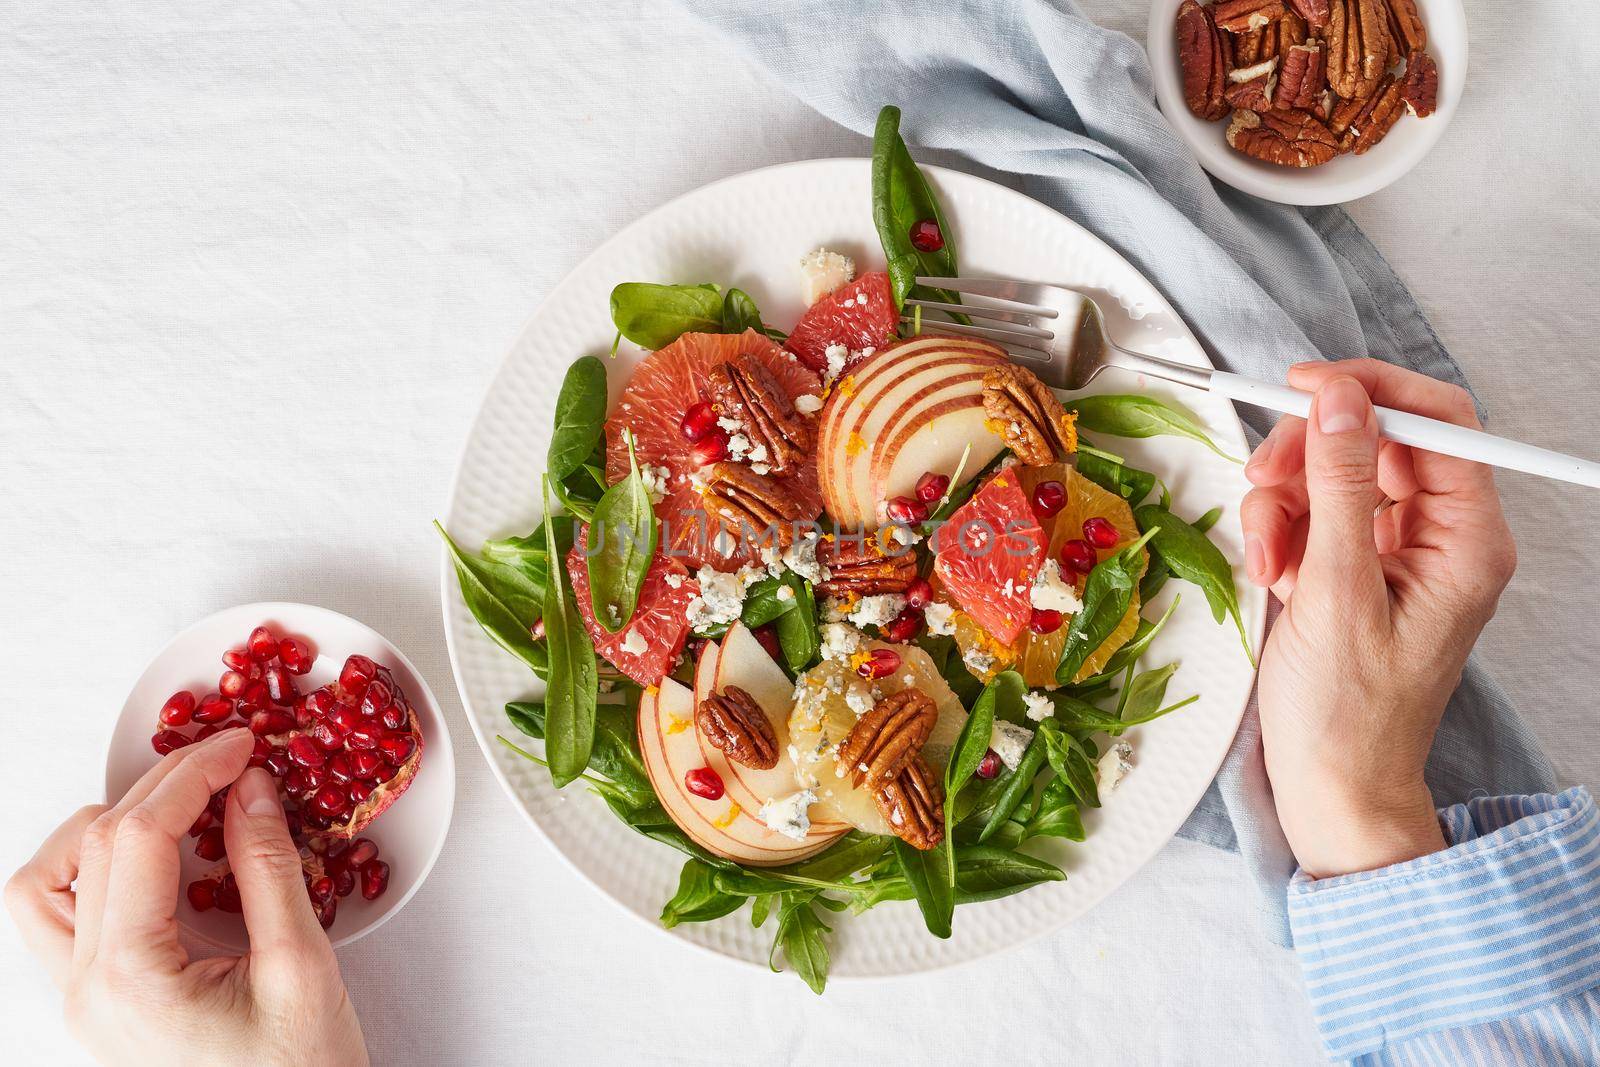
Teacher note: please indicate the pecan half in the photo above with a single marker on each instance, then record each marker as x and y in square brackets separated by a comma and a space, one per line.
[1315, 12]
[1406, 26]
[751, 505]
[1249, 48]
[1202, 60]
[913, 805]
[1253, 87]
[1421, 91]
[1376, 117]
[732, 722]
[860, 565]
[1237, 16]
[1358, 46]
[1290, 30]
[886, 739]
[1343, 114]
[1027, 416]
[744, 390]
[1302, 77]
[1287, 138]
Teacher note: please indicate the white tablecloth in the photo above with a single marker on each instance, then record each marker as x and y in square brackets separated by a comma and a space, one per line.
[260, 260]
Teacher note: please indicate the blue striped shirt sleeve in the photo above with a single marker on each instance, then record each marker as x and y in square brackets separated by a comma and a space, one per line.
[1487, 952]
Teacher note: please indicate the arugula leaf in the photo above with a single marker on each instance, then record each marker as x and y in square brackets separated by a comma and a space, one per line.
[505, 601]
[1130, 483]
[987, 872]
[573, 681]
[797, 628]
[698, 899]
[1190, 555]
[580, 417]
[625, 523]
[901, 198]
[760, 908]
[931, 880]
[1136, 415]
[800, 937]
[1106, 596]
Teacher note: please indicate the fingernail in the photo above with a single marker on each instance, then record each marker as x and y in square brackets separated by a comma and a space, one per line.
[256, 793]
[1258, 458]
[1255, 557]
[1342, 406]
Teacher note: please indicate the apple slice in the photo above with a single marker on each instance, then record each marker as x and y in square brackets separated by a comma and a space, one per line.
[935, 439]
[670, 749]
[741, 661]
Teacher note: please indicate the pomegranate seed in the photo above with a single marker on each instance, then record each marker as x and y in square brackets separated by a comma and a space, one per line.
[321, 889]
[698, 421]
[1049, 498]
[260, 752]
[374, 879]
[903, 627]
[397, 748]
[344, 718]
[206, 731]
[704, 782]
[357, 674]
[364, 736]
[262, 645]
[376, 698]
[278, 763]
[280, 686]
[255, 697]
[202, 894]
[925, 236]
[237, 659]
[368, 764]
[305, 752]
[905, 510]
[1100, 533]
[271, 722]
[214, 707]
[218, 803]
[711, 448]
[341, 768]
[295, 655]
[178, 709]
[303, 780]
[227, 896]
[201, 824]
[932, 487]
[880, 664]
[1045, 621]
[919, 594]
[360, 791]
[395, 716]
[327, 911]
[768, 636]
[166, 741]
[330, 801]
[327, 736]
[989, 766]
[1079, 555]
[232, 683]
[344, 883]
[362, 851]
[209, 847]
[537, 629]
[319, 702]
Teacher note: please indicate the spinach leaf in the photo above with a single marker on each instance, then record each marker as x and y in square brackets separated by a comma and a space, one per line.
[1156, 575]
[1144, 693]
[653, 316]
[971, 744]
[762, 603]
[1130, 483]
[698, 899]
[739, 313]
[1057, 815]
[1071, 762]
[1190, 555]
[987, 872]
[505, 601]
[1136, 415]
[625, 524]
[573, 681]
[580, 417]
[797, 628]
[1018, 787]
[1129, 653]
[1106, 596]
[851, 853]
[800, 936]
[931, 879]
[901, 198]
[615, 753]
[527, 553]
[1208, 520]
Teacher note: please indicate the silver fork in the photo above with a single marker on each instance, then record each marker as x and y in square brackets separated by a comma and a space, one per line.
[1060, 335]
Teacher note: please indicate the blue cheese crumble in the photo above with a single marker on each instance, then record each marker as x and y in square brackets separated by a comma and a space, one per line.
[790, 815]
[1009, 742]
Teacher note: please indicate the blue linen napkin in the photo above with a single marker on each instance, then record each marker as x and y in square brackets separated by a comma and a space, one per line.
[1033, 88]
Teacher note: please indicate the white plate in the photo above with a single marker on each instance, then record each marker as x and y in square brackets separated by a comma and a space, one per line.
[751, 231]
[1344, 178]
[410, 834]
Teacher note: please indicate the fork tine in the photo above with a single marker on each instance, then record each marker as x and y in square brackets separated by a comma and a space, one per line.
[1006, 337]
[996, 289]
[981, 311]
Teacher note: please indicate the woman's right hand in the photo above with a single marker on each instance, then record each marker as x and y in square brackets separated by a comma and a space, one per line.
[1380, 609]
[97, 905]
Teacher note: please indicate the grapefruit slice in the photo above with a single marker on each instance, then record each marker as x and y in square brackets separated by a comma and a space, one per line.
[658, 620]
[988, 555]
[859, 316]
[665, 385]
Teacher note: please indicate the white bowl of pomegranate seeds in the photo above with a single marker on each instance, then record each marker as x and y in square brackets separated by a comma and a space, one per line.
[345, 724]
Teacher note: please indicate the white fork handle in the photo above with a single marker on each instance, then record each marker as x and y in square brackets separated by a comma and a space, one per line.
[1420, 432]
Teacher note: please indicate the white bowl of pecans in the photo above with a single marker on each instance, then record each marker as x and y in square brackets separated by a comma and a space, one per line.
[1308, 101]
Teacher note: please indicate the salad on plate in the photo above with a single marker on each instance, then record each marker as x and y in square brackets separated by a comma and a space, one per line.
[849, 614]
